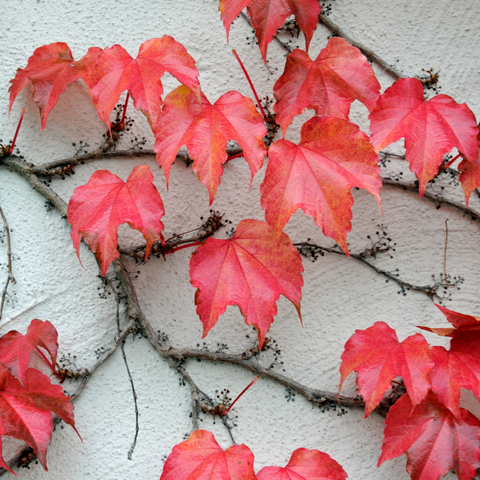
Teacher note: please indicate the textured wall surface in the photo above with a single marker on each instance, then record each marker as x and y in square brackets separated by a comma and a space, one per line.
[339, 296]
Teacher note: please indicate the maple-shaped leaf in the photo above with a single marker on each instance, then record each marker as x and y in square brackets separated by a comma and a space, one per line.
[458, 367]
[15, 348]
[267, 16]
[433, 439]
[201, 457]
[251, 270]
[461, 323]
[305, 465]
[26, 411]
[470, 175]
[430, 128]
[317, 175]
[98, 208]
[378, 357]
[49, 71]
[205, 129]
[117, 71]
[90, 61]
[328, 85]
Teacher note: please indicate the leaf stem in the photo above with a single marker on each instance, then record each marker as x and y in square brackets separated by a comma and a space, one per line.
[231, 157]
[244, 390]
[450, 162]
[194, 244]
[122, 123]
[250, 82]
[10, 151]
[49, 363]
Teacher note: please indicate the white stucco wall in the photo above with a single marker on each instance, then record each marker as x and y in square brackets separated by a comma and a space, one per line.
[339, 295]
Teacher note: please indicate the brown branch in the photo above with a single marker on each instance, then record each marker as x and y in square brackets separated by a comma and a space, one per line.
[429, 290]
[413, 187]
[10, 277]
[212, 224]
[122, 347]
[65, 165]
[176, 356]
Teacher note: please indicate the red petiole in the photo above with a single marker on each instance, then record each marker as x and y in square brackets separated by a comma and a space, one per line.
[450, 162]
[49, 363]
[122, 123]
[250, 82]
[187, 245]
[10, 151]
[231, 157]
[244, 390]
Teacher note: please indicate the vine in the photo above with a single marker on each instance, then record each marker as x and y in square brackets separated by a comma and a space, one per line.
[172, 125]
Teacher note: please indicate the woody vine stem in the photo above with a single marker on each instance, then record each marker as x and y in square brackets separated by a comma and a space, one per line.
[177, 357]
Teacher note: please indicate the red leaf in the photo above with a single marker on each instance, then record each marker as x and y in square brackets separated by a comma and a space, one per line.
[460, 322]
[433, 439]
[118, 71]
[318, 174]
[205, 129]
[305, 465]
[97, 209]
[201, 458]
[267, 16]
[15, 348]
[26, 412]
[458, 367]
[431, 129]
[90, 62]
[250, 270]
[470, 174]
[50, 70]
[328, 85]
[378, 357]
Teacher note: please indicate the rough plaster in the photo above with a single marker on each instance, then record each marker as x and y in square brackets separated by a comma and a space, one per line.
[339, 296]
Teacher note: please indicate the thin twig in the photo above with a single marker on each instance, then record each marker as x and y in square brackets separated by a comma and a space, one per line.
[57, 167]
[445, 254]
[429, 290]
[10, 277]
[122, 347]
[194, 414]
[439, 199]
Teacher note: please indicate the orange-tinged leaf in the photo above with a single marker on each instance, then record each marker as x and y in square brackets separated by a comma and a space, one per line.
[458, 367]
[205, 129]
[49, 71]
[117, 71]
[98, 208]
[15, 348]
[267, 16]
[433, 439]
[201, 458]
[460, 322]
[26, 411]
[90, 61]
[328, 85]
[317, 175]
[378, 357]
[431, 129]
[305, 465]
[251, 270]
[470, 175]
